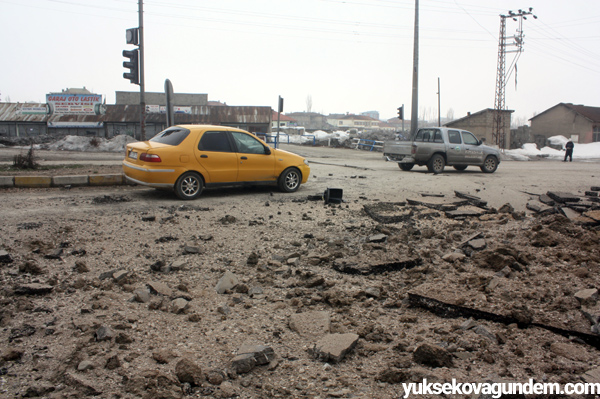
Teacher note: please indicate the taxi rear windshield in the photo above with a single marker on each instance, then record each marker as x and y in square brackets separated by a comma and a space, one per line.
[171, 136]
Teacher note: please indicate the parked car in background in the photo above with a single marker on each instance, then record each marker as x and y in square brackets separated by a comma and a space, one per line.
[188, 158]
[437, 147]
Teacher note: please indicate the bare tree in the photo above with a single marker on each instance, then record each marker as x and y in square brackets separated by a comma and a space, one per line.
[309, 103]
[450, 114]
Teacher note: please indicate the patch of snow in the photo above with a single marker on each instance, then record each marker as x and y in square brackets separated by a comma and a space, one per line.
[91, 144]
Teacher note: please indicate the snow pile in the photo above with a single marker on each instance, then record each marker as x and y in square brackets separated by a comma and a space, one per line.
[92, 144]
[530, 150]
[318, 136]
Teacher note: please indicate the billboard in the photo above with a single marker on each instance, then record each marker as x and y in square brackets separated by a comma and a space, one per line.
[75, 104]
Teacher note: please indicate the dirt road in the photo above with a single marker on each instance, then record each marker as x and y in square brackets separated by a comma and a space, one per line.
[127, 292]
[366, 174]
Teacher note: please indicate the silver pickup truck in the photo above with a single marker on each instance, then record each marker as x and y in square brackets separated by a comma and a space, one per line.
[437, 147]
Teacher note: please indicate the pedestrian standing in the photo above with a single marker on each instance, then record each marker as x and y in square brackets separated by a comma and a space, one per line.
[569, 151]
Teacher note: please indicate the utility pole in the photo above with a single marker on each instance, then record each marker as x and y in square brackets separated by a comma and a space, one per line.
[142, 84]
[498, 127]
[439, 112]
[414, 118]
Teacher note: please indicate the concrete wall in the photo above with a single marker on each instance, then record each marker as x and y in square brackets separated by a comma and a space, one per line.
[563, 121]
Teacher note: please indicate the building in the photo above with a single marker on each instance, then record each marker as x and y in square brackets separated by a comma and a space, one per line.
[481, 125]
[579, 123]
[70, 113]
[311, 121]
[284, 121]
[351, 121]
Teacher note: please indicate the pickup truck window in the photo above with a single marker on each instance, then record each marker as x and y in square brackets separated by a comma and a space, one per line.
[454, 137]
[468, 138]
[429, 135]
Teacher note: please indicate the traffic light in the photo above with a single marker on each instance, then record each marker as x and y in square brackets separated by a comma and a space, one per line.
[133, 65]
[401, 113]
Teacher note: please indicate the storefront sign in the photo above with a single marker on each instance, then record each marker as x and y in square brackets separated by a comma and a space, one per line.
[75, 104]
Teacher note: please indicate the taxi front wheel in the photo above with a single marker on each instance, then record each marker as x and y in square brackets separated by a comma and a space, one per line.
[289, 180]
[189, 186]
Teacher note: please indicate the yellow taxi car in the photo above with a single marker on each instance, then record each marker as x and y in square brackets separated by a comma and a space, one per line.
[187, 158]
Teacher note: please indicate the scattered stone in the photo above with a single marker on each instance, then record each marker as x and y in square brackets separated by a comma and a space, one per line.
[481, 330]
[104, 334]
[454, 256]
[432, 356]
[81, 267]
[377, 238]
[188, 249]
[250, 356]
[33, 289]
[12, 355]
[215, 377]
[163, 356]
[226, 283]
[26, 330]
[31, 267]
[179, 305]
[113, 363]
[587, 296]
[159, 288]
[142, 295]
[188, 371]
[334, 347]
[5, 257]
[85, 365]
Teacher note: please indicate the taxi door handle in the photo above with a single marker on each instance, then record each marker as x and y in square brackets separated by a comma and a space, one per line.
[244, 158]
[203, 156]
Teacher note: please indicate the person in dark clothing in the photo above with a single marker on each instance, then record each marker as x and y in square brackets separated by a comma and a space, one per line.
[569, 151]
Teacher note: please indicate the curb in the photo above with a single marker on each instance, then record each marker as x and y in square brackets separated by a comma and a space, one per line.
[61, 181]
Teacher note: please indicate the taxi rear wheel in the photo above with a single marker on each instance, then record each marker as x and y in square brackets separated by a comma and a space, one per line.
[289, 180]
[189, 186]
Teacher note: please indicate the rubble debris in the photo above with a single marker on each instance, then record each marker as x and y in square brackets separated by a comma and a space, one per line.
[227, 282]
[334, 347]
[366, 270]
[250, 356]
[473, 200]
[447, 310]
[432, 356]
[313, 324]
[562, 197]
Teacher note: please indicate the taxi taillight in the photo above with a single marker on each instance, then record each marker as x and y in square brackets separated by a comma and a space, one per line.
[149, 157]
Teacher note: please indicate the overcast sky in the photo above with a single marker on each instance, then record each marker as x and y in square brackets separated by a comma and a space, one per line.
[346, 55]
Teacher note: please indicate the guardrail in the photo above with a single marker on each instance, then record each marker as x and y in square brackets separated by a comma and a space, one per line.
[369, 145]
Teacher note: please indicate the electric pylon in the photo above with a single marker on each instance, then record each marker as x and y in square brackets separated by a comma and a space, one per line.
[498, 128]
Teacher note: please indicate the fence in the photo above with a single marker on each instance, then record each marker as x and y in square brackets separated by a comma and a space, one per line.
[368, 145]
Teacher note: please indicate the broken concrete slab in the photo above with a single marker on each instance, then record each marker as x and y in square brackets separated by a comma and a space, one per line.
[569, 212]
[250, 356]
[312, 324]
[563, 197]
[465, 211]
[334, 347]
[438, 204]
[473, 200]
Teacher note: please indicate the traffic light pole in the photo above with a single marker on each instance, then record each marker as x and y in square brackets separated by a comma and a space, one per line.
[142, 85]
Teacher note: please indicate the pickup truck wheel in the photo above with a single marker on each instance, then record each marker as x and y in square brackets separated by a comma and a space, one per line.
[406, 166]
[460, 167]
[436, 164]
[490, 164]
